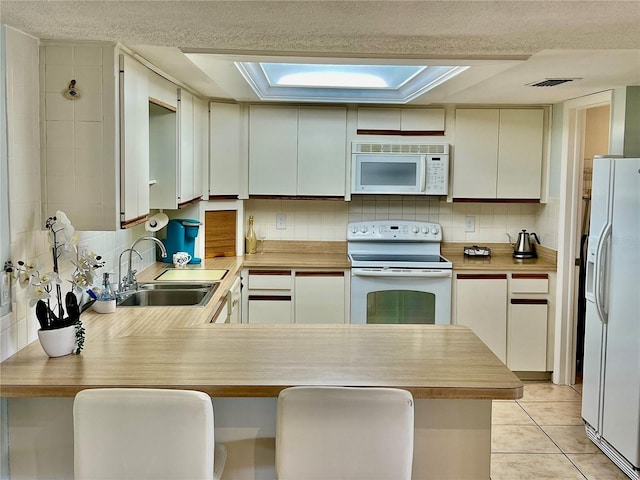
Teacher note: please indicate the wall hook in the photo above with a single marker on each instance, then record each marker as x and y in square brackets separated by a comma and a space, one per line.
[72, 93]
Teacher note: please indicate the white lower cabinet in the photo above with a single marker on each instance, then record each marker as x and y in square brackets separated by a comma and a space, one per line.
[269, 295]
[301, 296]
[512, 313]
[270, 309]
[481, 304]
[527, 335]
[320, 297]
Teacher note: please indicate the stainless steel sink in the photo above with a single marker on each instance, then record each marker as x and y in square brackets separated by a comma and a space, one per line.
[169, 295]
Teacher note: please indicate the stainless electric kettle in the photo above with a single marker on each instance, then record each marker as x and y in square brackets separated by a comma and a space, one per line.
[524, 246]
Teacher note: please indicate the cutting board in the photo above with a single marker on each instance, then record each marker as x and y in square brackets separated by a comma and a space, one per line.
[220, 234]
[194, 275]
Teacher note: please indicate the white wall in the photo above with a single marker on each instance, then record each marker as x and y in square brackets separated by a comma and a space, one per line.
[28, 239]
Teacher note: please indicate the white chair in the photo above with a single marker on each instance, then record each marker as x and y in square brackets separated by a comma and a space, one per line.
[344, 433]
[138, 434]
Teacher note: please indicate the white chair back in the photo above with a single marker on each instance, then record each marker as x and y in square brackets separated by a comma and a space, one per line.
[138, 434]
[344, 433]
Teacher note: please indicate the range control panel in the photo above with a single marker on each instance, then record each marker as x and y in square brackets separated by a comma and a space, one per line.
[394, 230]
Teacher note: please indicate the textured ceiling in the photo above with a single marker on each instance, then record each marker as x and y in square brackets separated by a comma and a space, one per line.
[430, 29]
[370, 27]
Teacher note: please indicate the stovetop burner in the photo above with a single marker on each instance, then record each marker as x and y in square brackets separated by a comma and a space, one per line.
[395, 243]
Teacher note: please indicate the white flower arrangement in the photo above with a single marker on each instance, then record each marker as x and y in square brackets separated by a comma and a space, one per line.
[41, 287]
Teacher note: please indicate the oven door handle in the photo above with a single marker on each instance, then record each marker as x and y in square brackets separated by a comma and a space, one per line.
[390, 272]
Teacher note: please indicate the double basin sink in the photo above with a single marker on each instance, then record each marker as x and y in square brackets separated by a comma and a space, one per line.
[169, 294]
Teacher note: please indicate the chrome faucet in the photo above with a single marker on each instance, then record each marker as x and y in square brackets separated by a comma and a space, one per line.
[129, 281]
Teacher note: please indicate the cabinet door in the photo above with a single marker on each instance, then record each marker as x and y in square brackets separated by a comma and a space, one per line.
[322, 154]
[134, 140]
[225, 149]
[163, 156]
[270, 309]
[422, 119]
[185, 121]
[481, 304]
[319, 297]
[527, 335]
[379, 119]
[475, 159]
[200, 147]
[273, 150]
[520, 154]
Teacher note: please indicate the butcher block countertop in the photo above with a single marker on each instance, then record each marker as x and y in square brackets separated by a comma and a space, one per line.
[239, 360]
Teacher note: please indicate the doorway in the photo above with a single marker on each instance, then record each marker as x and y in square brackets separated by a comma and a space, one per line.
[570, 221]
[595, 143]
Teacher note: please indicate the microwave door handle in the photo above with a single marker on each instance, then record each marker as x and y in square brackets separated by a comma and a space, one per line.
[423, 179]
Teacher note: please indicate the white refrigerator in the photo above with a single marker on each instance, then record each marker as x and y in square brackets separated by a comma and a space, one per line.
[611, 370]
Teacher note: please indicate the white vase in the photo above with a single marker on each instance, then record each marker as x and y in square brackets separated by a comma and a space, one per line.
[58, 342]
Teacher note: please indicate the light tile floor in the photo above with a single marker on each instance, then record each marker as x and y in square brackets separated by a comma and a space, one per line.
[542, 436]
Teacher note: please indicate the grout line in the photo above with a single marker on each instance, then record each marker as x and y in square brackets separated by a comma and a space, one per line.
[547, 435]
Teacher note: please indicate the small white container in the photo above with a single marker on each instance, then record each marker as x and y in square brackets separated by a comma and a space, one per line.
[104, 306]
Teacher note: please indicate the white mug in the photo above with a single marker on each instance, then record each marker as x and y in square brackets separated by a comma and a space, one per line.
[180, 259]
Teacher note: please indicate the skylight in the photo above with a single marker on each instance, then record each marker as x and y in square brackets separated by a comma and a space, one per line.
[338, 76]
[343, 83]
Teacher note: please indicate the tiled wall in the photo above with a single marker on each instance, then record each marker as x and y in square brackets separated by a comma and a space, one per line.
[80, 135]
[327, 220]
[28, 237]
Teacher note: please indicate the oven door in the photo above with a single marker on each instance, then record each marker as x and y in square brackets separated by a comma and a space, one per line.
[400, 295]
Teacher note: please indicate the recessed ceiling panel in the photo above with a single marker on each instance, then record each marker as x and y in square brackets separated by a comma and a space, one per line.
[343, 83]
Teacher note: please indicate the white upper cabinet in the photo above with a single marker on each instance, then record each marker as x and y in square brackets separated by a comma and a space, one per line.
[225, 148]
[297, 150]
[163, 142]
[186, 147]
[520, 154]
[96, 147]
[475, 159]
[200, 147]
[134, 141]
[162, 91]
[179, 146]
[498, 154]
[401, 120]
[273, 150]
[322, 139]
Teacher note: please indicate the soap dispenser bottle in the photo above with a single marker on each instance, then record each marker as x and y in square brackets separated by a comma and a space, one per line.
[107, 291]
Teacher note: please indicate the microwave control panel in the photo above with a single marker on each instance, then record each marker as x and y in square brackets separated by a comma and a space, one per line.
[437, 174]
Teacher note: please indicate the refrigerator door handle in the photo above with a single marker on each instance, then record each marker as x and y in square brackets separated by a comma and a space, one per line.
[601, 267]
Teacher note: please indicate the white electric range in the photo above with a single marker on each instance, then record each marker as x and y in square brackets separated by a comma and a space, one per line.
[397, 273]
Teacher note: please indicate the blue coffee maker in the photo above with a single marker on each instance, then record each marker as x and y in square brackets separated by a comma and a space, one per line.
[181, 237]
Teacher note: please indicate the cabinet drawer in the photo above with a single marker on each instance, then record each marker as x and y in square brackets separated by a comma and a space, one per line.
[270, 309]
[270, 279]
[529, 283]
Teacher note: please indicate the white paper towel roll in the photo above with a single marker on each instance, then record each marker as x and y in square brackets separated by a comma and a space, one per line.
[156, 222]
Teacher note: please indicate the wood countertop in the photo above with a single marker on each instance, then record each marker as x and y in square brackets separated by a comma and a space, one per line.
[431, 361]
[177, 348]
[299, 254]
[501, 259]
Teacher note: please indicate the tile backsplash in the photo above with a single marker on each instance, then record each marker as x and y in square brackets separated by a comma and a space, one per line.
[327, 219]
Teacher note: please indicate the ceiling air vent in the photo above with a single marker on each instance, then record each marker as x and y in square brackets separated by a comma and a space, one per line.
[551, 82]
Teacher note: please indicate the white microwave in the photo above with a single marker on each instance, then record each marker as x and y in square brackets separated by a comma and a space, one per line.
[404, 169]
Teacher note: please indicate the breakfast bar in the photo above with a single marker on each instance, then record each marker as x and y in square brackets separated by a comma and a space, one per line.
[452, 375]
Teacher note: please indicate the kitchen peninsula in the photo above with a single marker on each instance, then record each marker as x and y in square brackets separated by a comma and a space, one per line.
[452, 375]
